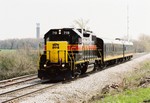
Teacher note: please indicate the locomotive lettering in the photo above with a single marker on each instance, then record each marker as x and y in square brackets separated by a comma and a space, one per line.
[55, 46]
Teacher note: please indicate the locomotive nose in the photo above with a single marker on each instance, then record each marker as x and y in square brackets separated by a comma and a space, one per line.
[57, 51]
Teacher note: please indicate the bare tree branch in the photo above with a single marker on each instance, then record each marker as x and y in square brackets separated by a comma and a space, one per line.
[81, 23]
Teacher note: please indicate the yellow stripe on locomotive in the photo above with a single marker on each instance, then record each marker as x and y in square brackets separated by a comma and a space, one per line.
[57, 51]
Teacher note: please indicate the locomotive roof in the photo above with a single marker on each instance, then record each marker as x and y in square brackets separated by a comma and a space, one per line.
[70, 29]
[127, 43]
[107, 41]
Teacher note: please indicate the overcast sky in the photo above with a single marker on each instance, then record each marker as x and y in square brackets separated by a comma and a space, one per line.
[107, 18]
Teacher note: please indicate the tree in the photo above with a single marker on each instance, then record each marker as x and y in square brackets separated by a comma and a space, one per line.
[27, 43]
[80, 23]
[145, 41]
[142, 44]
[138, 47]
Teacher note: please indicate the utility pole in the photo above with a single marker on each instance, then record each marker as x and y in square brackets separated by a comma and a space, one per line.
[127, 21]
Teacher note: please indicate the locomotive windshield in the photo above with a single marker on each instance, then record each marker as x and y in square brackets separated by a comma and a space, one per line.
[59, 38]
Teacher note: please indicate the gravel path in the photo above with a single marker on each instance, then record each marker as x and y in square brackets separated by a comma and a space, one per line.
[82, 90]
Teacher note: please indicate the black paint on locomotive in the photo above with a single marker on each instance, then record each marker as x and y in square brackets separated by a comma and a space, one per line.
[84, 48]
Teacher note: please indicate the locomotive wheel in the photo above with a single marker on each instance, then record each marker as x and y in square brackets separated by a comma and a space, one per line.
[77, 72]
[84, 69]
[96, 66]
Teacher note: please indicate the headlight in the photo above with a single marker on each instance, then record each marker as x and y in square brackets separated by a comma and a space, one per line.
[63, 65]
[44, 65]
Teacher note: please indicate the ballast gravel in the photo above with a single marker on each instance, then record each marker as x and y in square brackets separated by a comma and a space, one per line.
[82, 90]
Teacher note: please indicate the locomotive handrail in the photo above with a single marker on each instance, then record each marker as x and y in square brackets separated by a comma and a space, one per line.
[72, 53]
[64, 54]
[70, 59]
[73, 58]
[100, 54]
[49, 55]
[83, 51]
[89, 53]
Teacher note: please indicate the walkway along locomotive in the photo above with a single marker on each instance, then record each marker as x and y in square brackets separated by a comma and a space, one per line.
[69, 51]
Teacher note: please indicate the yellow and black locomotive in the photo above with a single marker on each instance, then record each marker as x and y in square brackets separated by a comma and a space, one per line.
[69, 51]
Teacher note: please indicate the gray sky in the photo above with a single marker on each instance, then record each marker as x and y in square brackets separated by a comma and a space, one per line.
[108, 18]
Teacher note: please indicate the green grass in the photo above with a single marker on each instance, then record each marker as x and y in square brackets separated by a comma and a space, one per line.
[128, 96]
[133, 79]
[7, 50]
[132, 91]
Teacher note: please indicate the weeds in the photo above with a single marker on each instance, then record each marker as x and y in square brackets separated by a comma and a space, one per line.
[17, 63]
[135, 88]
[128, 96]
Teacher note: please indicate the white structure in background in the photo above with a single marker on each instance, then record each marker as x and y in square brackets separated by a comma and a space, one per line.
[37, 30]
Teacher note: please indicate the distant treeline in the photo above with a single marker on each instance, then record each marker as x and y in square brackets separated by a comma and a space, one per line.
[142, 44]
[20, 43]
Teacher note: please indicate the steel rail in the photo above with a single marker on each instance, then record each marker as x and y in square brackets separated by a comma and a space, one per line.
[16, 90]
[27, 94]
[14, 83]
[16, 78]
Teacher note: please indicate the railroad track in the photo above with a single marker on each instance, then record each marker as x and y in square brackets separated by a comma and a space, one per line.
[17, 94]
[21, 93]
[14, 96]
[17, 80]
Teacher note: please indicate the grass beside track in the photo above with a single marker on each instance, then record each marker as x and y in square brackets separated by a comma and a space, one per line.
[14, 63]
[135, 90]
[138, 95]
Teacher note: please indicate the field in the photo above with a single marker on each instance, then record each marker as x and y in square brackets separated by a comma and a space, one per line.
[136, 88]
[19, 62]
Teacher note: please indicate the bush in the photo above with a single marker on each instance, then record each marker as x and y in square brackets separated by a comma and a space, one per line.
[17, 62]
